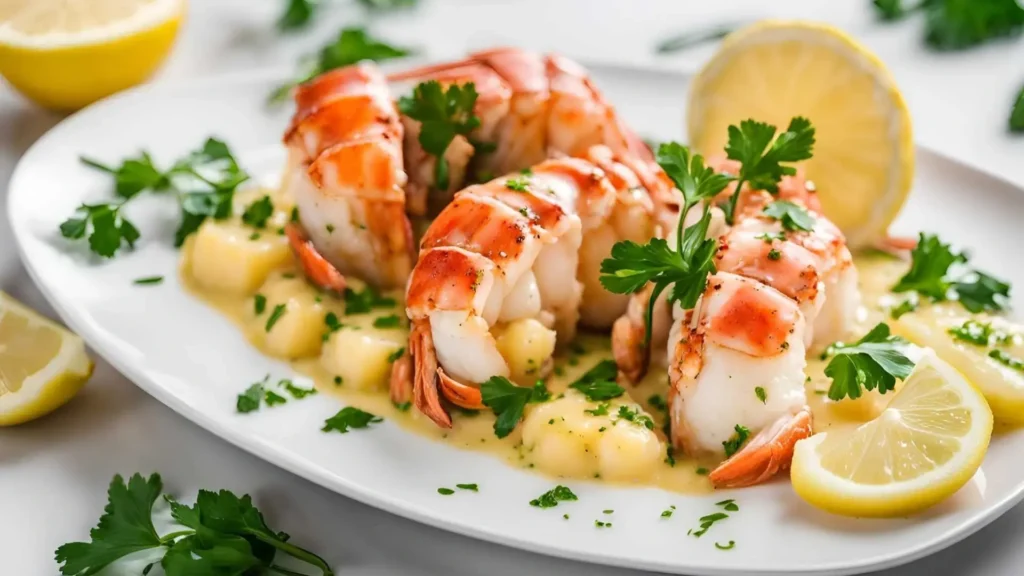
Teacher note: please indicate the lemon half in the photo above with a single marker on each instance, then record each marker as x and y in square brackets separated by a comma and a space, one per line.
[65, 54]
[921, 449]
[771, 71]
[42, 365]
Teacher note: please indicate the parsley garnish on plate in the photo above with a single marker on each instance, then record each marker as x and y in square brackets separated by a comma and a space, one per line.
[350, 417]
[296, 392]
[686, 269]
[934, 273]
[220, 534]
[273, 398]
[259, 303]
[979, 333]
[149, 280]
[443, 115]
[735, 442]
[598, 383]
[761, 394]
[729, 546]
[761, 155]
[552, 497]
[630, 414]
[445, 491]
[249, 401]
[706, 522]
[875, 361]
[204, 182]
[507, 401]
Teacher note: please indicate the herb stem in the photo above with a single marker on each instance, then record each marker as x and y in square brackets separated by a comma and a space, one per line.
[731, 214]
[294, 552]
[169, 538]
[95, 164]
[692, 38]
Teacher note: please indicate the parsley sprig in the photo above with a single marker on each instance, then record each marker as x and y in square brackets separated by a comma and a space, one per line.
[761, 155]
[686, 269]
[204, 182]
[353, 44]
[508, 401]
[443, 115]
[934, 272]
[958, 24]
[220, 534]
[875, 361]
[299, 13]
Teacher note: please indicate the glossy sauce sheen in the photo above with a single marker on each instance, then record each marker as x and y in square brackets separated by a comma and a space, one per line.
[474, 430]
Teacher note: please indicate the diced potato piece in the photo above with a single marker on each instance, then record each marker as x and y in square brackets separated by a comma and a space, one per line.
[628, 451]
[362, 358]
[298, 330]
[563, 439]
[225, 258]
[526, 345]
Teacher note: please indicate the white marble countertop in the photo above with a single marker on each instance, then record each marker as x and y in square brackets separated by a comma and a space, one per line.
[54, 472]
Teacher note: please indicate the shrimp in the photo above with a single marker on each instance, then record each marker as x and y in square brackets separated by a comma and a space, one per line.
[358, 171]
[499, 254]
[742, 336]
[345, 172]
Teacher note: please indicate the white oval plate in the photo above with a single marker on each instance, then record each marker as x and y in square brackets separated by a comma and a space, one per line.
[195, 361]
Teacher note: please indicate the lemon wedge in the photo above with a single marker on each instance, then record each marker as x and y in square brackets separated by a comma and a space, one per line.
[65, 54]
[863, 160]
[920, 450]
[972, 352]
[42, 365]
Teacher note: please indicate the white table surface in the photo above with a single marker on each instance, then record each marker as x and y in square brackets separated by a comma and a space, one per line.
[54, 472]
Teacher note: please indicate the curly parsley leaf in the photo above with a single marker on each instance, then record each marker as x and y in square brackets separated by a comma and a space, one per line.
[443, 115]
[353, 45]
[792, 216]
[125, 527]
[761, 158]
[696, 181]
[875, 361]
[350, 417]
[507, 401]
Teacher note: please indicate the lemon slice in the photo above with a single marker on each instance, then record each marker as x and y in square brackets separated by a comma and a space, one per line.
[65, 54]
[42, 365]
[920, 450]
[1002, 385]
[863, 160]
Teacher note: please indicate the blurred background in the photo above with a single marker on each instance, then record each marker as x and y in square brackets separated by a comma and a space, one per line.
[961, 76]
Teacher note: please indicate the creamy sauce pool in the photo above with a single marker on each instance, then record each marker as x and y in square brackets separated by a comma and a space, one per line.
[342, 364]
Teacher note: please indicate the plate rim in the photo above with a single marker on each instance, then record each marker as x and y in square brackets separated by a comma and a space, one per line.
[277, 455]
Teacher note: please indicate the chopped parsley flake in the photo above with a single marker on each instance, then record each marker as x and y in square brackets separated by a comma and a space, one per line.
[729, 505]
[774, 254]
[729, 546]
[257, 213]
[249, 401]
[761, 395]
[471, 487]
[980, 333]
[391, 321]
[259, 303]
[149, 280]
[1007, 360]
[350, 417]
[552, 497]
[632, 415]
[273, 398]
[445, 491]
[601, 410]
[517, 184]
[365, 301]
[706, 522]
[601, 524]
[733, 444]
[394, 356]
[278, 311]
[295, 391]
[702, 471]
[657, 402]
